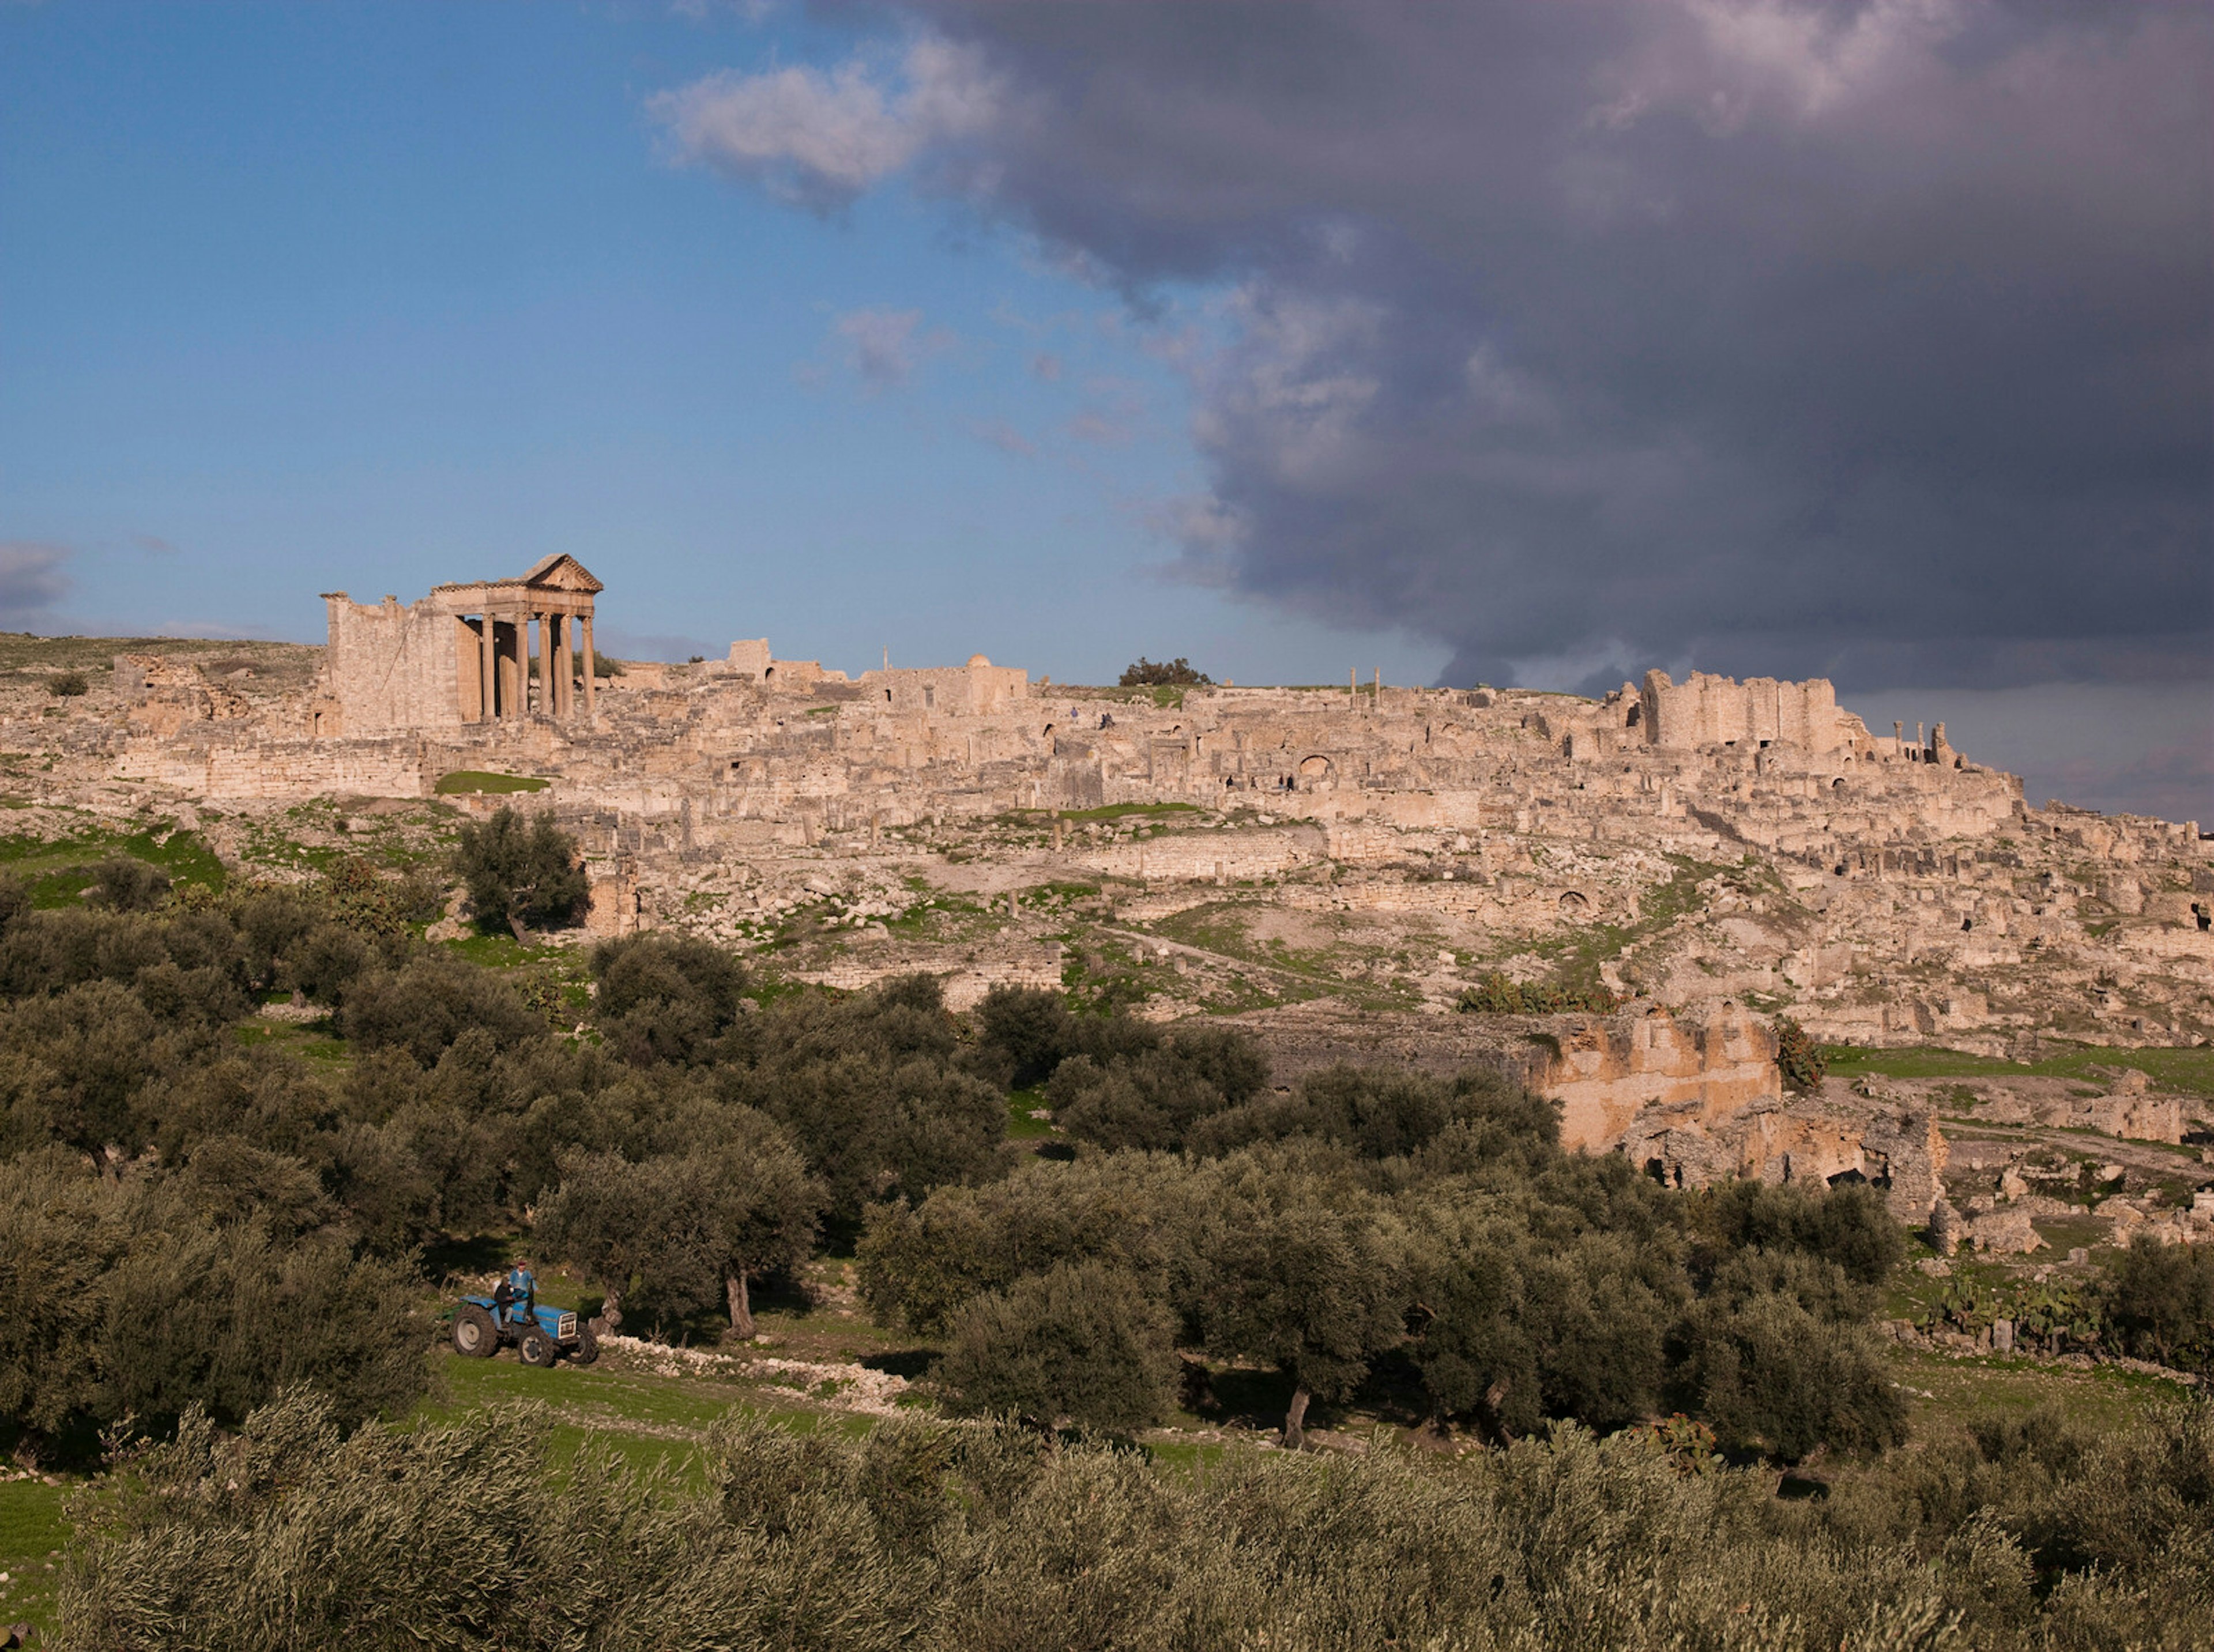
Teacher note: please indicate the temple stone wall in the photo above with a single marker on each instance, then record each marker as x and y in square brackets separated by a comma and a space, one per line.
[391, 668]
[1709, 710]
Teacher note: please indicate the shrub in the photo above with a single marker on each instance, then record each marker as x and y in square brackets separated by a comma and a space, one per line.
[1849, 1224]
[427, 1007]
[68, 685]
[1082, 1344]
[1030, 1028]
[1798, 1057]
[2159, 1302]
[520, 873]
[368, 902]
[917, 1536]
[124, 885]
[1495, 995]
[665, 998]
[1175, 673]
[1770, 1376]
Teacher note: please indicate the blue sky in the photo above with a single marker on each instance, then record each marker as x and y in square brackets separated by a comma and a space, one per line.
[295, 299]
[1520, 343]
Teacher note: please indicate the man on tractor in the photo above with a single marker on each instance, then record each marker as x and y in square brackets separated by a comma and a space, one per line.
[519, 1287]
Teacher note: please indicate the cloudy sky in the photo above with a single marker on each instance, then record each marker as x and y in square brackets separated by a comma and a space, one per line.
[1538, 341]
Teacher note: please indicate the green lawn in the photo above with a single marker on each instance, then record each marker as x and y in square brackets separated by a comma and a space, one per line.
[2185, 1067]
[1945, 1392]
[1116, 811]
[462, 781]
[59, 870]
[32, 1529]
[1021, 1126]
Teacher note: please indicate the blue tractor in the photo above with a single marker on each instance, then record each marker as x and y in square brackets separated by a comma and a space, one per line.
[540, 1335]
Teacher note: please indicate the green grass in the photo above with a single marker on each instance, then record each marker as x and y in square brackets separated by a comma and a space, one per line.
[1577, 954]
[501, 950]
[2189, 1068]
[478, 780]
[651, 1421]
[31, 1526]
[1116, 811]
[60, 869]
[1021, 1127]
[2103, 1397]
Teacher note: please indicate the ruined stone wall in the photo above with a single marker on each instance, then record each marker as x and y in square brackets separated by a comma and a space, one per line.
[1710, 710]
[217, 770]
[977, 689]
[1811, 1142]
[163, 696]
[391, 668]
[1607, 1071]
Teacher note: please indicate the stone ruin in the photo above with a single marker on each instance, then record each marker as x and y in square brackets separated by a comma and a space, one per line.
[465, 654]
[1884, 889]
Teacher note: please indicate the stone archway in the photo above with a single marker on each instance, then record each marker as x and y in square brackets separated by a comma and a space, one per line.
[1316, 772]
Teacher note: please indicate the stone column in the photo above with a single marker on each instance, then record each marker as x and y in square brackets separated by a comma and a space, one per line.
[488, 668]
[557, 663]
[585, 620]
[513, 687]
[568, 665]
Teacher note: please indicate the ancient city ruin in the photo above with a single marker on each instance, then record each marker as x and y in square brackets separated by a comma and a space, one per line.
[1332, 868]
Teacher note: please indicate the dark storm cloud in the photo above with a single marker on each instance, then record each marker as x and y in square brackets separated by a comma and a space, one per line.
[1865, 339]
[32, 578]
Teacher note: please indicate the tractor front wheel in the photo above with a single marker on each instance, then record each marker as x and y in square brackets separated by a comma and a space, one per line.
[588, 1346]
[539, 1349]
[474, 1335]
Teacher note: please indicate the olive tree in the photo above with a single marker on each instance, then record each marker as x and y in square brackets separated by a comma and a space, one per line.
[1301, 1276]
[678, 1230]
[521, 872]
[1082, 1341]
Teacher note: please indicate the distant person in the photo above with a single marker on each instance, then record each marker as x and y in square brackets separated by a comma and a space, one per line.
[521, 1285]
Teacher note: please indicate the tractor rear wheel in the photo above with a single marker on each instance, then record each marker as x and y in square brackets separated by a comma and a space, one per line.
[588, 1346]
[539, 1349]
[474, 1335]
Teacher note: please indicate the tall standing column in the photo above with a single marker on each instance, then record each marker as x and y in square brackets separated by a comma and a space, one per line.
[557, 649]
[517, 667]
[586, 621]
[488, 671]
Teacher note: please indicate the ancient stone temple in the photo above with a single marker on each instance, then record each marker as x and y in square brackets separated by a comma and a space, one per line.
[462, 655]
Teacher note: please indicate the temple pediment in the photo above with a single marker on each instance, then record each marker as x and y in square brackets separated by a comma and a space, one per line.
[562, 572]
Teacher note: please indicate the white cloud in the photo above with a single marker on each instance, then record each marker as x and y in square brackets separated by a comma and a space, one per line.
[822, 138]
[885, 347]
[1003, 436]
